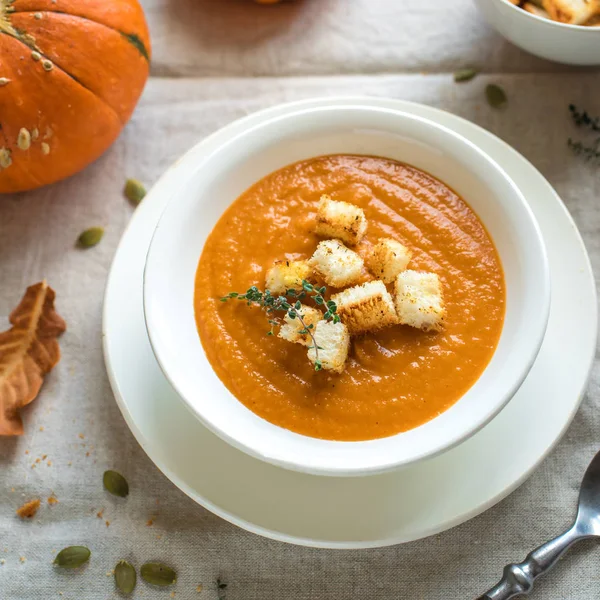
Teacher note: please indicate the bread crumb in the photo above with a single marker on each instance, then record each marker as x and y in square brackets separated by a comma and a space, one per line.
[333, 341]
[22, 559]
[107, 523]
[37, 461]
[26, 451]
[366, 307]
[149, 523]
[49, 463]
[33, 466]
[2, 561]
[172, 594]
[387, 258]
[87, 453]
[12, 489]
[52, 500]
[28, 510]
[70, 463]
[291, 328]
[100, 513]
[419, 300]
[287, 275]
[340, 220]
[199, 588]
[41, 428]
[44, 457]
[81, 436]
[336, 264]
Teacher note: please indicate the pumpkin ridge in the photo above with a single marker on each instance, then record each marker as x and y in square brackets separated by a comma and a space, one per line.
[62, 70]
[133, 38]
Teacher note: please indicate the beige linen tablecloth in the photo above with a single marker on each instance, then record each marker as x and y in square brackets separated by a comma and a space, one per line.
[215, 61]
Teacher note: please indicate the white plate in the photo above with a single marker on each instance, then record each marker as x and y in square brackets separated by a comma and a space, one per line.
[384, 509]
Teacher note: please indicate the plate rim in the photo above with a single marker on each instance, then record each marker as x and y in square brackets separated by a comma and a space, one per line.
[310, 542]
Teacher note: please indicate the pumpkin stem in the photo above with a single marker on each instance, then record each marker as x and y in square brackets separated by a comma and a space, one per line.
[6, 26]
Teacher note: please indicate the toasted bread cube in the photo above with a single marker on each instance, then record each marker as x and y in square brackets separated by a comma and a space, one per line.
[419, 300]
[387, 258]
[574, 12]
[340, 220]
[336, 264]
[366, 307]
[536, 10]
[287, 275]
[290, 330]
[333, 341]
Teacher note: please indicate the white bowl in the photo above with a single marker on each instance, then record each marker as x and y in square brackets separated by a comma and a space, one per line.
[569, 44]
[206, 190]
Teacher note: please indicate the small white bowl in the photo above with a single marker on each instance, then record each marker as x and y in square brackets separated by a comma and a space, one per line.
[206, 190]
[569, 44]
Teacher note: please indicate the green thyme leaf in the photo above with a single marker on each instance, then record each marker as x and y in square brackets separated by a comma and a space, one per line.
[158, 574]
[115, 483]
[90, 237]
[134, 191]
[125, 577]
[464, 75]
[495, 95]
[72, 557]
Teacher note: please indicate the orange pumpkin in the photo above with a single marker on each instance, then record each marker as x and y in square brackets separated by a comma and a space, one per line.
[71, 73]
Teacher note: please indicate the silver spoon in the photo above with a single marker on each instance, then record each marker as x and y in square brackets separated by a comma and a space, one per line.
[519, 578]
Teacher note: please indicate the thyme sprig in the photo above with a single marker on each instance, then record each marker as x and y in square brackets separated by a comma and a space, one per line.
[583, 119]
[290, 304]
[590, 151]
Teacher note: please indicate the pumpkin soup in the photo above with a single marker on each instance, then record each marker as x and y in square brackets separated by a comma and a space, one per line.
[402, 372]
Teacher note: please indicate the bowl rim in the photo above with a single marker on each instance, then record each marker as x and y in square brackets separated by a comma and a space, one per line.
[549, 22]
[361, 102]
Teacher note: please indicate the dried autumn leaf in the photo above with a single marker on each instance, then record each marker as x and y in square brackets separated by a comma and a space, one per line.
[28, 351]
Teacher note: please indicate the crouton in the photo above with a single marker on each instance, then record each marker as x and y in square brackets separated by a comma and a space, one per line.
[340, 220]
[387, 258]
[336, 264]
[419, 300]
[333, 341]
[287, 275]
[366, 307]
[536, 10]
[574, 12]
[290, 330]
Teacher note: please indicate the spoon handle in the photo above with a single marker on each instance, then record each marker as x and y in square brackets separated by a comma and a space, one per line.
[518, 578]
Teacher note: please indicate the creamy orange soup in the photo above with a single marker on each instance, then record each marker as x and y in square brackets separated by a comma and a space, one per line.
[395, 379]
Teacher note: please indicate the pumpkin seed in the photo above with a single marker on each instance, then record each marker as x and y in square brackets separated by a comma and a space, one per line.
[4, 81]
[125, 577]
[158, 574]
[134, 191]
[90, 237]
[35, 134]
[464, 75]
[495, 95]
[72, 557]
[114, 482]
[24, 139]
[37, 15]
[36, 55]
[47, 64]
[5, 158]
[45, 148]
